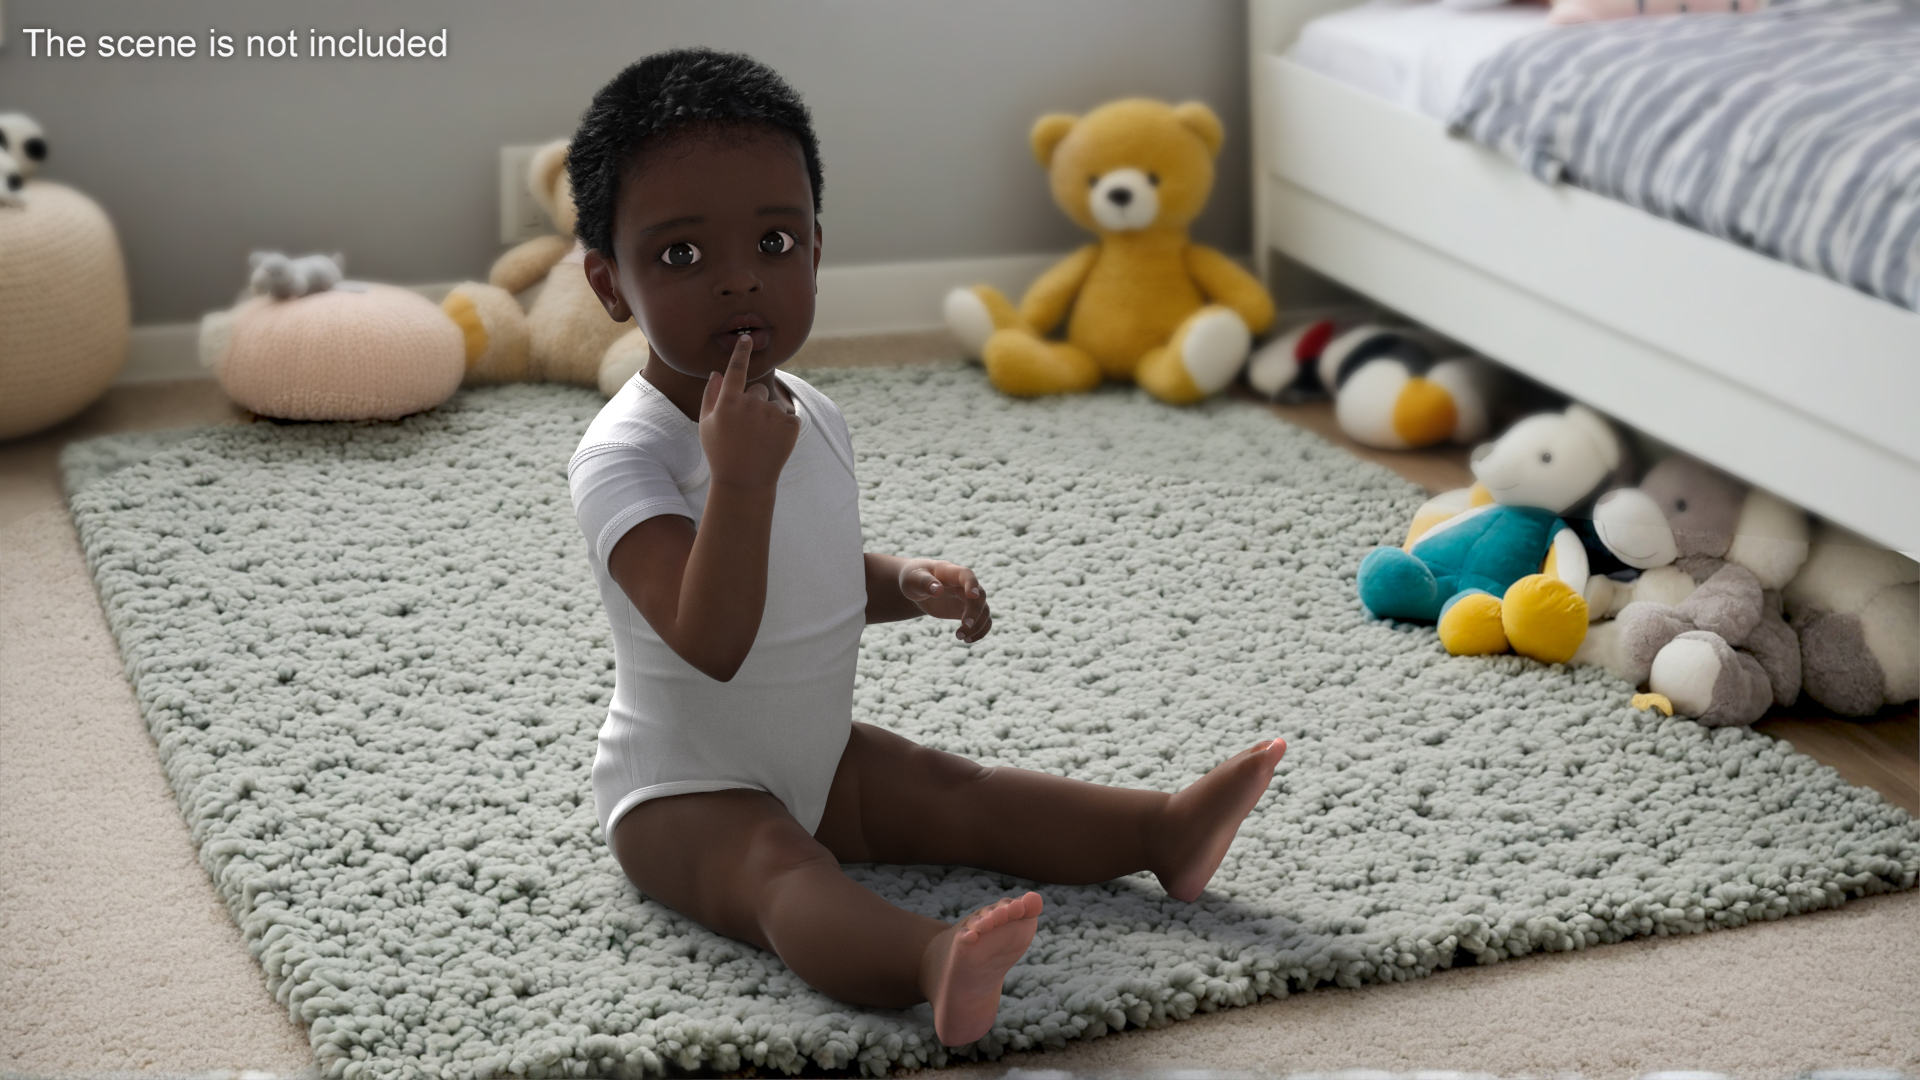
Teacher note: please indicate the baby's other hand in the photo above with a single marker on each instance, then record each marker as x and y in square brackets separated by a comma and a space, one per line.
[946, 591]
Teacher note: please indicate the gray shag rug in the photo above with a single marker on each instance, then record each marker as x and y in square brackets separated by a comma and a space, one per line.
[374, 663]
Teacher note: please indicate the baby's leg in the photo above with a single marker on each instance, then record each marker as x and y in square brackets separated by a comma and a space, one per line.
[893, 800]
[737, 863]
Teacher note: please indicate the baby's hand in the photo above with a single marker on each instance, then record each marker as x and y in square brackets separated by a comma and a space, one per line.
[946, 591]
[746, 435]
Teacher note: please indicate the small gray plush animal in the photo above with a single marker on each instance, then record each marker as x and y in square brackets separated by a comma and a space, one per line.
[21, 137]
[1719, 651]
[282, 278]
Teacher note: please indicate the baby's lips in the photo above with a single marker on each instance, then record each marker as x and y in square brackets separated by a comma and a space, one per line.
[759, 335]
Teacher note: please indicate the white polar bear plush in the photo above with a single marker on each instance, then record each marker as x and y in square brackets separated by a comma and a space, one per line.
[1505, 574]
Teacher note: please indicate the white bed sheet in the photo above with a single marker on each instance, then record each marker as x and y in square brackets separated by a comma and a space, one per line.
[1414, 53]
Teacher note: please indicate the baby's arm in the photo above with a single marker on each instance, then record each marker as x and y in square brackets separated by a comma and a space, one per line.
[900, 588]
[704, 591]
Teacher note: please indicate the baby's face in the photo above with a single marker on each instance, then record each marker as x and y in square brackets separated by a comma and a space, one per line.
[713, 234]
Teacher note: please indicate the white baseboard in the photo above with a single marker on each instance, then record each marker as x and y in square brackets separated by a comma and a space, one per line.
[879, 298]
[891, 298]
[163, 353]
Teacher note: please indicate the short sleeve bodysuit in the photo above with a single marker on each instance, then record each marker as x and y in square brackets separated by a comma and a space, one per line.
[781, 723]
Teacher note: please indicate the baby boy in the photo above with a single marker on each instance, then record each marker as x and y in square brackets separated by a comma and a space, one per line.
[718, 500]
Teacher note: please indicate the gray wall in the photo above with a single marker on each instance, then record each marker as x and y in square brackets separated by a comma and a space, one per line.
[922, 110]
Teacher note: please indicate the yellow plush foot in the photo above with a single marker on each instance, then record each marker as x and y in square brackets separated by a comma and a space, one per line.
[1544, 618]
[495, 330]
[1424, 413]
[1022, 365]
[975, 313]
[1201, 358]
[1472, 626]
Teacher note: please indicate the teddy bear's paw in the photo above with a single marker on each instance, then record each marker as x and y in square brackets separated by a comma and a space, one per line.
[1471, 625]
[1706, 679]
[216, 337]
[1777, 647]
[494, 330]
[974, 314]
[1212, 345]
[1020, 364]
[1544, 618]
[624, 359]
[1601, 648]
[1645, 628]
[1837, 668]
[1891, 625]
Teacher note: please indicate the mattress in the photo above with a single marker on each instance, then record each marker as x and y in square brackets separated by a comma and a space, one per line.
[1794, 131]
[1414, 53]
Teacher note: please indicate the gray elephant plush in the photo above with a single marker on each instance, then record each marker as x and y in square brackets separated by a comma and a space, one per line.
[1719, 651]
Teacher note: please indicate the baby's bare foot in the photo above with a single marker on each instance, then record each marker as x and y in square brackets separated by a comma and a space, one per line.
[1204, 816]
[967, 962]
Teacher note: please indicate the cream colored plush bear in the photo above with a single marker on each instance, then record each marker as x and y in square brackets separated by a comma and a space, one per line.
[1144, 303]
[1856, 606]
[536, 319]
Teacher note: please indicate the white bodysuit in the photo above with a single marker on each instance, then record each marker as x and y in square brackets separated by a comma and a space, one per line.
[782, 722]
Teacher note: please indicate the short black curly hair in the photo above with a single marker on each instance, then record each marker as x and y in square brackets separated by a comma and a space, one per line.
[667, 92]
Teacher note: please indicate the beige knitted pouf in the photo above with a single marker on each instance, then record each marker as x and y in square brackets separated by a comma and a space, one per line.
[358, 352]
[63, 307]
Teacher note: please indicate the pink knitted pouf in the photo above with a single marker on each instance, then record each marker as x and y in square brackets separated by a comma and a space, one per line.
[63, 307]
[359, 352]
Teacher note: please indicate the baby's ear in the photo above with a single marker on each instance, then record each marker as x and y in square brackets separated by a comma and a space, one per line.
[1047, 133]
[602, 277]
[1197, 118]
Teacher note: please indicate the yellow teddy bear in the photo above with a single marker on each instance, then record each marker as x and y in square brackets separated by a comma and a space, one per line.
[1147, 304]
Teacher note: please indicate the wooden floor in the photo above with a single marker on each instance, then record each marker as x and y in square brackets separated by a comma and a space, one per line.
[1882, 753]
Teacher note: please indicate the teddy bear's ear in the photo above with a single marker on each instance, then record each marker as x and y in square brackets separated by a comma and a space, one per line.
[1047, 133]
[543, 170]
[1197, 118]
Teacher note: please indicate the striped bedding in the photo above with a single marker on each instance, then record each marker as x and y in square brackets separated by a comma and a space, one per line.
[1794, 131]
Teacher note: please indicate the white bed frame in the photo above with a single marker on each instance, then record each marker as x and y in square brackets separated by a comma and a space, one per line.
[1794, 382]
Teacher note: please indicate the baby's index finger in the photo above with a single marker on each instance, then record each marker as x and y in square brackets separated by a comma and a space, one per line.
[735, 380]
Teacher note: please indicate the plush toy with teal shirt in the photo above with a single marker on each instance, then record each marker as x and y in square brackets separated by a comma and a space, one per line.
[1508, 573]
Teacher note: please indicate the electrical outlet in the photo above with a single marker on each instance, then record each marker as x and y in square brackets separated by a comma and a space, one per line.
[520, 217]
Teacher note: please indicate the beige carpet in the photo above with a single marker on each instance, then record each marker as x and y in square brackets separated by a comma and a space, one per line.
[116, 955]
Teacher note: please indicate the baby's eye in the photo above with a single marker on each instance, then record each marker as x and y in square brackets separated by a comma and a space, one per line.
[777, 242]
[681, 254]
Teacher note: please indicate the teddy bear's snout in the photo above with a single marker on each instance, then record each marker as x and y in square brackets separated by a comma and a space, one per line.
[1124, 200]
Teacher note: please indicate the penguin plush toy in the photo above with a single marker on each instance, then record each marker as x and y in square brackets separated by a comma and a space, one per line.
[1391, 388]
